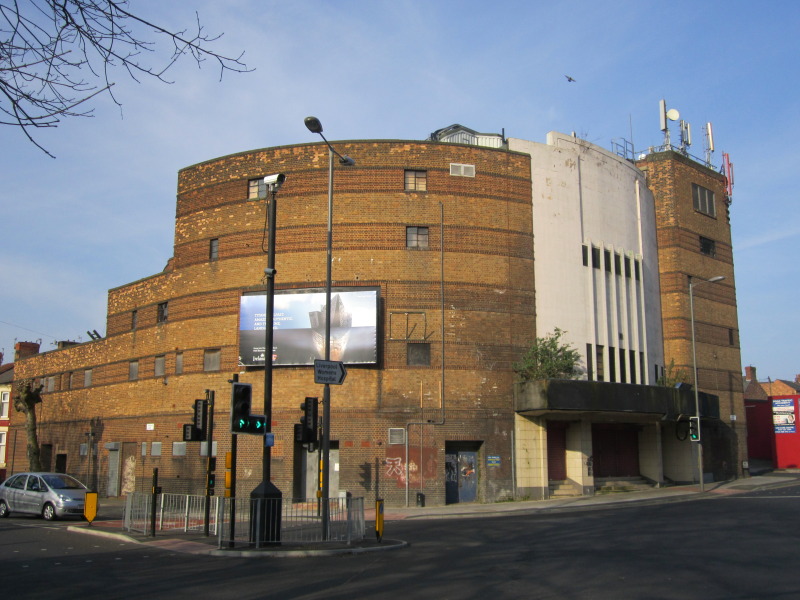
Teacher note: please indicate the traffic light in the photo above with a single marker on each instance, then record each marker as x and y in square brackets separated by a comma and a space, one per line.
[694, 429]
[241, 419]
[200, 414]
[212, 480]
[305, 432]
[192, 433]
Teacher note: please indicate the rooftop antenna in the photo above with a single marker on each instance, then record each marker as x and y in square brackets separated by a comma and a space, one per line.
[709, 143]
[686, 136]
[665, 115]
[727, 167]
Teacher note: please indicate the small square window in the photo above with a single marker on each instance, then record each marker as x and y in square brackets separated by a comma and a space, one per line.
[418, 355]
[416, 237]
[707, 246]
[159, 366]
[256, 188]
[213, 249]
[163, 312]
[133, 370]
[416, 181]
[212, 360]
[178, 448]
[155, 449]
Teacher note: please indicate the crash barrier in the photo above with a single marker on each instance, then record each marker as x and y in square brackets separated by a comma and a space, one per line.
[246, 521]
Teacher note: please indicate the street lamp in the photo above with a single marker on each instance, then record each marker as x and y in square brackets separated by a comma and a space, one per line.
[266, 498]
[692, 285]
[314, 126]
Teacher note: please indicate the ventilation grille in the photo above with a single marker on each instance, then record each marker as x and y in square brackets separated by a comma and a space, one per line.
[397, 435]
[459, 170]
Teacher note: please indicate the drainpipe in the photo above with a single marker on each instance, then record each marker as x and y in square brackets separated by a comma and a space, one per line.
[441, 388]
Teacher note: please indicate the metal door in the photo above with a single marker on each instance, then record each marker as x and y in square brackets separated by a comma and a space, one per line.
[467, 476]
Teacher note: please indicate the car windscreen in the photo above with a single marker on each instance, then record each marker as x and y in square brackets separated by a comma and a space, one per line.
[63, 482]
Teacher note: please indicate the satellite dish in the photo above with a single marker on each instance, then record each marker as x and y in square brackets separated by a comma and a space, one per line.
[673, 115]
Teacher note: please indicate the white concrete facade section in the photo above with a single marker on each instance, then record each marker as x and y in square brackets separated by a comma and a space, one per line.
[586, 196]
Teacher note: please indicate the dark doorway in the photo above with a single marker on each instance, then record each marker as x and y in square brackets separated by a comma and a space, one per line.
[61, 463]
[556, 451]
[615, 447]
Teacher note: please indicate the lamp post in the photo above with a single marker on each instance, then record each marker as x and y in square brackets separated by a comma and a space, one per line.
[266, 498]
[692, 285]
[314, 126]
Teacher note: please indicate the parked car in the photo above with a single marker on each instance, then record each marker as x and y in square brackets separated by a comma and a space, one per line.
[51, 495]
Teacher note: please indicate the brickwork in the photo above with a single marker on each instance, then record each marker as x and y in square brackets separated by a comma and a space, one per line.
[679, 227]
[487, 251]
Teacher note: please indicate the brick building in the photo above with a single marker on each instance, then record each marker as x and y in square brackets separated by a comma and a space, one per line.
[439, 236]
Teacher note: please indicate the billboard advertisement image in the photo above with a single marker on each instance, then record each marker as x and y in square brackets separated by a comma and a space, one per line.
[299, 327]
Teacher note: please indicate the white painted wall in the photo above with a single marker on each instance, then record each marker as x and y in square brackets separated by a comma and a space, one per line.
[583, 194]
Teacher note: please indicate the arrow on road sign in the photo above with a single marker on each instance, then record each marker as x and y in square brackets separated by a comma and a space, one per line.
[329, 372]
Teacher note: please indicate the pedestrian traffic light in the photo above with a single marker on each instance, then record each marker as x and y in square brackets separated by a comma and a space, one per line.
[241, 400]
[694, 429]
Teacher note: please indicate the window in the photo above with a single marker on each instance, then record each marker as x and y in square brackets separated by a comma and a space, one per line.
[598, 354]
[458, 170]
[211, 360]
[416, 181]
[87, 378]
[623, 377]
[731, 338]
[633, 366]
[3, 406]
[612, 365]
[155, 449]
[50, 384]
[707, 246]
[133, 370]
[703, 200]
[2, 447]
[213, 249]
[179, 363]
[134, 319]
[71, 380]
[416, 237]
[178, 448]
[589, 363]
[418, 355]
[256, 188]
[159, 366]
[163, 312]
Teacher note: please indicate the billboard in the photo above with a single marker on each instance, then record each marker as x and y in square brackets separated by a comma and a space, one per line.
[299, 326]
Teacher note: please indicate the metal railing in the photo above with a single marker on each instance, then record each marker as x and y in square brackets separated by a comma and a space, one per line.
[181, 512]
[254, 521]
[299, 521]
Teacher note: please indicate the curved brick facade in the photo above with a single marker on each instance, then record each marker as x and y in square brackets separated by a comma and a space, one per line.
[485, 253]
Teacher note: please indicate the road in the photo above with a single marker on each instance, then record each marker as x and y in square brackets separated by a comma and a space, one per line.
[735, 546]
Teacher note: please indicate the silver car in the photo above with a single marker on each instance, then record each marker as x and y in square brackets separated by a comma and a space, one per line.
[51, 495]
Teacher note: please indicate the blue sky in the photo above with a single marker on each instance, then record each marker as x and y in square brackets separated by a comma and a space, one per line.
[102, 213]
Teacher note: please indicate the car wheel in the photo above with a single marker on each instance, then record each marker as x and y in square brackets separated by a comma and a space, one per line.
[49, 512]
[4, 512]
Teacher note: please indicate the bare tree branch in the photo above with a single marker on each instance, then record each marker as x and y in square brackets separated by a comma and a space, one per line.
[56, 55]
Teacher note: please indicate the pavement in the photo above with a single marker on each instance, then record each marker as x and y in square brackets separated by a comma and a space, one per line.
[109, 520]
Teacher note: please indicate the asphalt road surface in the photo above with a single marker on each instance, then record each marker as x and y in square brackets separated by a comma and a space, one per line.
[733, 546]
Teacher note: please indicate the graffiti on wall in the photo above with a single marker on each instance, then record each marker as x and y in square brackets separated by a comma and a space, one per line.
[421, 465]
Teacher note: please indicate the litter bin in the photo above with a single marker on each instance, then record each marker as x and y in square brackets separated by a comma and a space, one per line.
[420, 499]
